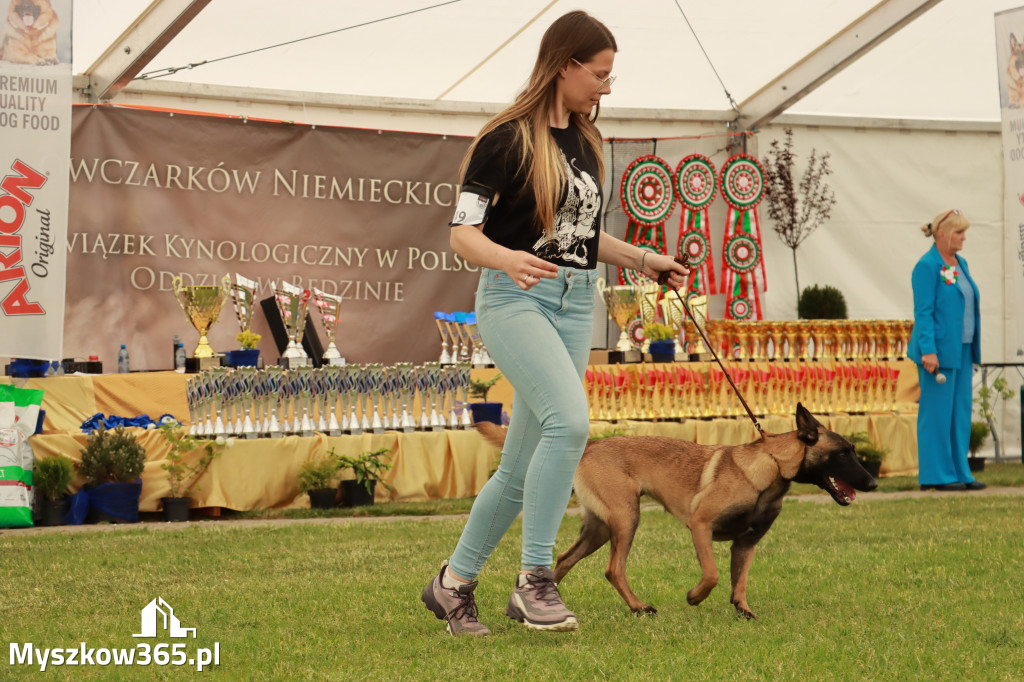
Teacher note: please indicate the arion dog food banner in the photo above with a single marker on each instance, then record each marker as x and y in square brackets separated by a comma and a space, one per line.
[35, 141]
[362, 214]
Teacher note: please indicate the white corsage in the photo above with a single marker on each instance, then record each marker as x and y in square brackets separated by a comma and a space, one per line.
[949, 274]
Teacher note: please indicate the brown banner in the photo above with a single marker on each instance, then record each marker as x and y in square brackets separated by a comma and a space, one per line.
[358, 213]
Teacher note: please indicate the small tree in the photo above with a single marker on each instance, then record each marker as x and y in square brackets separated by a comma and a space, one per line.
[985, 401]
[796, 210]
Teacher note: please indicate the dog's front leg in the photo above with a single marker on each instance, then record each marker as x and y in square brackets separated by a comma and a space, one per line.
[701, 533]
[742, 558]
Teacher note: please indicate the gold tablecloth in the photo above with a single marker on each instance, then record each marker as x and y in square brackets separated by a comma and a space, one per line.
[261, 473]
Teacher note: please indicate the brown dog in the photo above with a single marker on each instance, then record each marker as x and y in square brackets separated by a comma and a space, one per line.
[720, 492]
[31, 30]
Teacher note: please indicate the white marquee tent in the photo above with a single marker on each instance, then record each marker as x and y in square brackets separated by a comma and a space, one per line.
[903, 94]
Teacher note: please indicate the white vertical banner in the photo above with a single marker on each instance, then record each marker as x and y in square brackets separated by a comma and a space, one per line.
[35, 150]
[1010, 62]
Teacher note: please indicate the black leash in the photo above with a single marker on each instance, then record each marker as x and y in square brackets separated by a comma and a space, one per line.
[663, 280]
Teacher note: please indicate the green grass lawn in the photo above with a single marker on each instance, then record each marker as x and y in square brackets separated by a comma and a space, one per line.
[900, 589]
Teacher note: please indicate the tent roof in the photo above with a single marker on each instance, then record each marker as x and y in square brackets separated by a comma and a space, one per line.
[940, 66]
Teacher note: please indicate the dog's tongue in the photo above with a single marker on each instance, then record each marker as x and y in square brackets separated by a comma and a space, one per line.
[845, 489]
[28, 19]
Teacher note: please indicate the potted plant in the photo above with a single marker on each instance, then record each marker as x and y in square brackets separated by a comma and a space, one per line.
[369, 469]
[979, 432]
[249, 354]
[484, 411]
[112, 463]
[869, 454]
[317, 479]
[181, 474]
[662, 342]
[51, 478]
[822, 303]
[986, 401]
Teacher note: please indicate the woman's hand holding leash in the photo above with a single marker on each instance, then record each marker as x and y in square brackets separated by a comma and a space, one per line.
[672, 272]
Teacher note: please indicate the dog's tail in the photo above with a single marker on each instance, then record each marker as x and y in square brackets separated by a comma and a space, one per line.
[492, 433]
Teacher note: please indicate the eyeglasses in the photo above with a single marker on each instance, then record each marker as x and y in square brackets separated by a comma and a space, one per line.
[605, 82]
[943, 218]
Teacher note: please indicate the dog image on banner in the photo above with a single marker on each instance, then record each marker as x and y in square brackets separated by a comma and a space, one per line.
[30, 33]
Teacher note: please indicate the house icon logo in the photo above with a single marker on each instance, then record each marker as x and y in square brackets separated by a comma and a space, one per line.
[158, 611]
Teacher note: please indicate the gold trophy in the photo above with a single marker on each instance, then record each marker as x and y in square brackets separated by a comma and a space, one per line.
[674, 315]
[292, 303]
[330, 310]
[623, 303]
[202, 304]
[649, 294]
[243, 293]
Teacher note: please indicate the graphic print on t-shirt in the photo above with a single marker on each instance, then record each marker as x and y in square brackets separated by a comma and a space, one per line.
[574, 222]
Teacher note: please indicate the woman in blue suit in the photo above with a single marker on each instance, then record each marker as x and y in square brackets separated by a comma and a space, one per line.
[945, 343]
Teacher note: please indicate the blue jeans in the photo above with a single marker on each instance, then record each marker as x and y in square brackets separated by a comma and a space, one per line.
[540, 340]
[944, 424]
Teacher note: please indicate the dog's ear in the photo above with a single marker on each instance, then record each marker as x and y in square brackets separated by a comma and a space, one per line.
[806, 425]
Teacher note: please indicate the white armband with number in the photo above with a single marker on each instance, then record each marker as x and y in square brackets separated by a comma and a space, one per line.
[473, 207]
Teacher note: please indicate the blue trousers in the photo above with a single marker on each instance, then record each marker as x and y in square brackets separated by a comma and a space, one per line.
[944, 424]
[540, 340]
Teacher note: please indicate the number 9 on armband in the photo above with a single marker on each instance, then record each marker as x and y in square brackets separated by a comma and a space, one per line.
[473, 206]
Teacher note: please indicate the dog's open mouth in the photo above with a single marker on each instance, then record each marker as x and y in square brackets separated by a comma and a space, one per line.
[840, 490]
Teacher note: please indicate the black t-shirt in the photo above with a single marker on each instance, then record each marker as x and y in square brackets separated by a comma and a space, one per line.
[495, 165]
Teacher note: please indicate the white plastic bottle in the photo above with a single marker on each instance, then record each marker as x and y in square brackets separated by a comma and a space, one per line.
[123, 362]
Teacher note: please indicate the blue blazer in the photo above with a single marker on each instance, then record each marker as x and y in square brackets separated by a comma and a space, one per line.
[939, 312]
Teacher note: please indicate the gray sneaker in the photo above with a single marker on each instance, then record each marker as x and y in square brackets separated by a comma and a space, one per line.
[538, 605]
[457, 607]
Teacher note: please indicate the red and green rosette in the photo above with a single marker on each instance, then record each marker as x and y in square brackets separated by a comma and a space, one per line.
[648, 198]
[695, 184]
[742, 181]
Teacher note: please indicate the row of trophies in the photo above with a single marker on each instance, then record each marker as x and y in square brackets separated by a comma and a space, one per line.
[633, 306]
[203, 303]
[466, 345]
[673, 391]
[332, 399]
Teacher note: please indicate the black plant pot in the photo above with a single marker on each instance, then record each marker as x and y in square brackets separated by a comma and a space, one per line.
[486, 412]
[976, 463]
[176, 508]
[873, 468]
[354, 494]
[51, 512]
[322, 498]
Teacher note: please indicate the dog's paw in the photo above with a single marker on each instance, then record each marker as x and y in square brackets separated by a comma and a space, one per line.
[745, 613]
[645, 610]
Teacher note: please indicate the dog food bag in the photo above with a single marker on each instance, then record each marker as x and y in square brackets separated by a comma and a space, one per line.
[19, 412]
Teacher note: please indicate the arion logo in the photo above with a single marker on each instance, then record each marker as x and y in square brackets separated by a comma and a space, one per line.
[159, 614]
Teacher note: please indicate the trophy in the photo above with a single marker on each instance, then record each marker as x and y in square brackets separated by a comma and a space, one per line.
[439, 319]
[480, 357]
[699, 307]
[464, 338]
[623, 303]
[374, 377]
[292, 303]
[330, 308]
[243, 293]
[465, 421]
[272, 386]
[649, 294]
[674, 315]
[202, 304]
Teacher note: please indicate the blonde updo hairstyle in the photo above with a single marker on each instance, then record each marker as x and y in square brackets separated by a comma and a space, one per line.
[947, 220]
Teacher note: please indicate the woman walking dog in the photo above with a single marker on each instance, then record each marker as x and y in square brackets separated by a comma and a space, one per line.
[530, 215]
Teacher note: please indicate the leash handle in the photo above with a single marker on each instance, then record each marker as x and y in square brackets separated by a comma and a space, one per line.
[663, 280]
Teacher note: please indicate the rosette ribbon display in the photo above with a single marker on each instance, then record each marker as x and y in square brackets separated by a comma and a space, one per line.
[742, 181]
[648, 198]
[695, 183]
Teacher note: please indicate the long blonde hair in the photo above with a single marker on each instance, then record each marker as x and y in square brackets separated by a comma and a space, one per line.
[575, 35]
